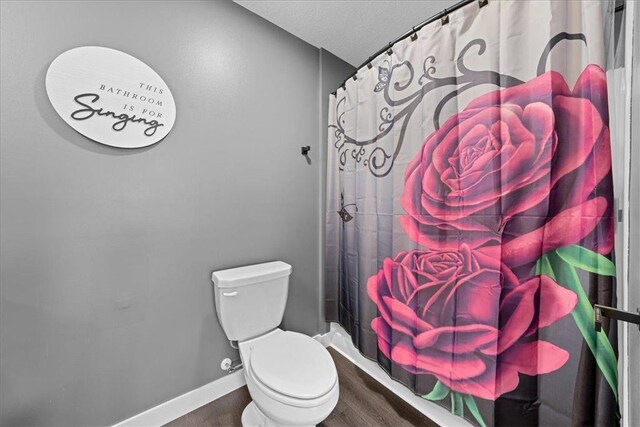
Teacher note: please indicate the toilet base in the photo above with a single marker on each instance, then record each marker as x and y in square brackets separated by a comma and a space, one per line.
[252, 416]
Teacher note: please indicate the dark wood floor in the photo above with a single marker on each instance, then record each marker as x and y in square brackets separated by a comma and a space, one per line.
[363, 402]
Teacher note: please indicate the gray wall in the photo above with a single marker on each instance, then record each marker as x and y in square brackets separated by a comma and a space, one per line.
[106, 305]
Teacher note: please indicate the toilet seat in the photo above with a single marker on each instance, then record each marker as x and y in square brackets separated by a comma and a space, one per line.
[293, 369]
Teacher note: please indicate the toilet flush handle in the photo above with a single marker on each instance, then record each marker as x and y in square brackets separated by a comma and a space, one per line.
[230, 294]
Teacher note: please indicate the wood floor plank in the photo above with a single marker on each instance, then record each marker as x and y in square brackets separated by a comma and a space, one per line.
[363, 402]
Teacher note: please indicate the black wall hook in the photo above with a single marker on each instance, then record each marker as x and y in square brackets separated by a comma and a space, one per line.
[305, 150]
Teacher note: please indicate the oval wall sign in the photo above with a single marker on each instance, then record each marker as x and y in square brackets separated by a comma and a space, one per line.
[110, 97]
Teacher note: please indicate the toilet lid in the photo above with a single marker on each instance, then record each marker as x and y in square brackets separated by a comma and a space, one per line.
[294, 365]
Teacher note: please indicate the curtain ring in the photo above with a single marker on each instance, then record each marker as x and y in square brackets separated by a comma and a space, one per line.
[369, 65]
[445, 19]
[483, 3]
[414, 36]
[390, 50]
[355, 77]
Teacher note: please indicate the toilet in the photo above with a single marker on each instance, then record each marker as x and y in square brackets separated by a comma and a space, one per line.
[291, 377]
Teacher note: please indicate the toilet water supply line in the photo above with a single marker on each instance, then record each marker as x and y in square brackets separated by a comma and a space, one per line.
[228, 365]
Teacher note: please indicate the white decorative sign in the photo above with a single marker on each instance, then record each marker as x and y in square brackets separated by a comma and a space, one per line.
[110, 97]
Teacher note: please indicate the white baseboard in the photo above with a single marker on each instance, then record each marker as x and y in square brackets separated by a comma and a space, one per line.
[324, 339]
[194, 399]
[182, 405]
[338, 339]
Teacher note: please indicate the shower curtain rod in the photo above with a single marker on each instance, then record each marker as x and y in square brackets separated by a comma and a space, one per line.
[414, 30]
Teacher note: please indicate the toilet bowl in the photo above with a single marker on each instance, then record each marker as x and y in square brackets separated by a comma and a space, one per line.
[291, 377]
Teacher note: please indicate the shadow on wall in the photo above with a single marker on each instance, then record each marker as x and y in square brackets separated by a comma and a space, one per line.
[207, 344]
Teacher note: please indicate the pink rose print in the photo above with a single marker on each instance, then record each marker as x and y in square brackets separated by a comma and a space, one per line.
[465, 318]
[515, 166]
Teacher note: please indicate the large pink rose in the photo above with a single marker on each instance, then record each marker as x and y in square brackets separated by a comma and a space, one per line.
[513, 162]
[465, 318]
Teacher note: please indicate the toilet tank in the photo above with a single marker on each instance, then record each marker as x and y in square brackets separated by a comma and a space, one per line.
[251, 300]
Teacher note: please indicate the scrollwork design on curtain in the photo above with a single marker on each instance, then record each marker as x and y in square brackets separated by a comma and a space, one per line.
[379, 160]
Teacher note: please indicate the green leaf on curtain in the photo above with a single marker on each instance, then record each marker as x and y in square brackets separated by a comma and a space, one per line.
[457, 407]
[554, 266]
[539, 266]
[471, 404]
[587, 260]
[439, 392]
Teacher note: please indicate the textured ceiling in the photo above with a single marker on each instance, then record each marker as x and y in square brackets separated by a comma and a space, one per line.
[350, 29]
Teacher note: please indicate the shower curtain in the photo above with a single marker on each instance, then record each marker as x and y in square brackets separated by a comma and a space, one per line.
[470, 213]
